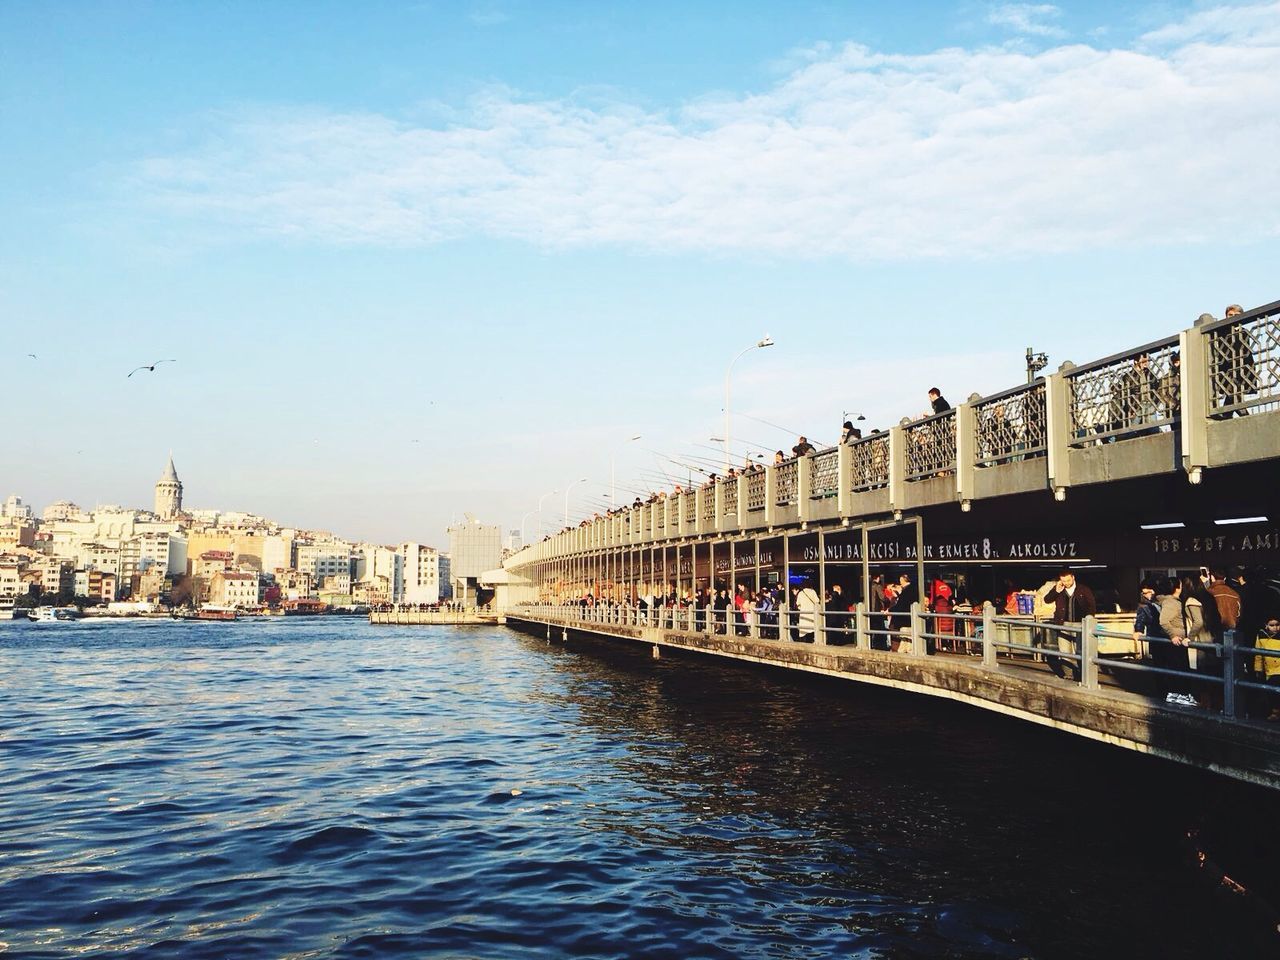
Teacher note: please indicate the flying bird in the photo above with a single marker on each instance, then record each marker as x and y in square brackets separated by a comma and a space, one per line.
[152, 367]
[33, 356]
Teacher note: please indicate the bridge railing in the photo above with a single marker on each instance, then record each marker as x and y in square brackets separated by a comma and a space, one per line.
[757, 491]
[931, 446]
[1244, 362]
[824, 473]
[1011, 425]
[1126, 395]
[786, 482]
[1210, 372]
[869, 463]
[1228, 679]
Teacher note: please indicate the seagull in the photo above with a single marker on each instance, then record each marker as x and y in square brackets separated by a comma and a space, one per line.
[33, 356]
[152, 367]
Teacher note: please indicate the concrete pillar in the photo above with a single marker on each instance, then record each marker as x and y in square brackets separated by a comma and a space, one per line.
[966, 451]
[804, 483]
[1058, 430]
[919, 645]
[741, 481]
[1194, 402]
[988, 636]
[897, 469]
[1089, 653]
[844, 479]
[770, 495]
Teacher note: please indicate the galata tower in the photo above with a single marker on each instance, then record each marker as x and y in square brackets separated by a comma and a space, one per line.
[169, 493]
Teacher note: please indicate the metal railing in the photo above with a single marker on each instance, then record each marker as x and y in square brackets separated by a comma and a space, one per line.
[709, 503]
[1011, 425]
[870, 461]
[1244, 362]
[824, 473]
[1229, 679]
[757, 491]
[690, 504]
[1130, 394]
[729, 498]
[785, 476]
[931, 446]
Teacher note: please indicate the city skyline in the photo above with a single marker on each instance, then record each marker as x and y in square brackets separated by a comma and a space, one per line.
[447, 259]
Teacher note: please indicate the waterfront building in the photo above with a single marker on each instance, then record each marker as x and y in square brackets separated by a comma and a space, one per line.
[474, 548]
[325, 558]
[421, 566]
[278, 551]
[11, 582]
[446, 576]
[233, 588]
[379, 574]
[54, 574]
[168, 498]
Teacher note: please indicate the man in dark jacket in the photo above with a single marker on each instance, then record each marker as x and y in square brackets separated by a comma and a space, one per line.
[1072, 602]
[938, 401]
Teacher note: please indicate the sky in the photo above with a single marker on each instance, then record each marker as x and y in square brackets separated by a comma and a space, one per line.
[415, 260]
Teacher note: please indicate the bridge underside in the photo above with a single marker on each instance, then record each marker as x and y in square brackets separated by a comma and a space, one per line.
[1248, 752]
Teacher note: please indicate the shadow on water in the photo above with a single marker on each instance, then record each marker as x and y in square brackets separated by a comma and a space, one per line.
[935, 829]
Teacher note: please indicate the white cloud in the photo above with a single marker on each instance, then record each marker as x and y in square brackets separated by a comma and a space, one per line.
[854, 154]
[1028, 18]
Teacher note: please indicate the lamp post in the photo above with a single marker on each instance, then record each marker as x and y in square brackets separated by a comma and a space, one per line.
[540, 499]
[523, 539]
[762, 342]
[613, 458]
[566, 497]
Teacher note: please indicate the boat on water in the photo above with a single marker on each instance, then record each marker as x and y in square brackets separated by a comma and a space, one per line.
[55, 614]
[211, 612]
[13, 613]
[208, 612]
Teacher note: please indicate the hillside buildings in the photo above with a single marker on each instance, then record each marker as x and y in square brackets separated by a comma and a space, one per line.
[174, 554]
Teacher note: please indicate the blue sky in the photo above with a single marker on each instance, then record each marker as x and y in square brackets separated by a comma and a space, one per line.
[415, 259]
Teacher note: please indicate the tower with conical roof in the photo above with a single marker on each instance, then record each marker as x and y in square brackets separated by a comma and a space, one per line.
[169, 493]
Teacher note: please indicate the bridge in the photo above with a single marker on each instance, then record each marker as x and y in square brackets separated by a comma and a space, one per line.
[1161, 459]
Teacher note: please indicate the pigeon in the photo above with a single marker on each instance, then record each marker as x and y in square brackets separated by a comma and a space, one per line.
[151, 367]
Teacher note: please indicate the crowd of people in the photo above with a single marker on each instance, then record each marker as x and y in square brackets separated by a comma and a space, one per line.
[1181, 621]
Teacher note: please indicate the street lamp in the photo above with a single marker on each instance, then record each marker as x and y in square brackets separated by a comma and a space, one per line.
[613, 457]
[762, 342]
[523, 539]
[566, 497]
[540, 499]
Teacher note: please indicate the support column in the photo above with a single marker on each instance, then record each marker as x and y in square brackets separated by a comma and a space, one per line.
[1194, 402]
[1058, 431]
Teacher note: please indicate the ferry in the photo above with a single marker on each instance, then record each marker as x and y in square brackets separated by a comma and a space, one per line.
[209, 612]
[55, 614]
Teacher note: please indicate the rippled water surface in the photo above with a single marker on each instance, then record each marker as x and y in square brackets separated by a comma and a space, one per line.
[325, 788]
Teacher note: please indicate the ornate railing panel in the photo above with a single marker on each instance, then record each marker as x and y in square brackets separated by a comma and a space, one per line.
[870, 458]
[784, 478]
[1011, 425]
[931, 446]
[1131, 394]
[729, 497]
[824, 474]
[756, 491]
[1244, 363]
[709, 503]
[691, 504]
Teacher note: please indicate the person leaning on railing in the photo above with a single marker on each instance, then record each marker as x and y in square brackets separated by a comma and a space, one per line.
[1072, 602]
[1268, 667]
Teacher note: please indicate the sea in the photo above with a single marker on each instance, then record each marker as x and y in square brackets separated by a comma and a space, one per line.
[321, 787]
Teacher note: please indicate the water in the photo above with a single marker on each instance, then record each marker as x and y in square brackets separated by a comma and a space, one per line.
[323, 788]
